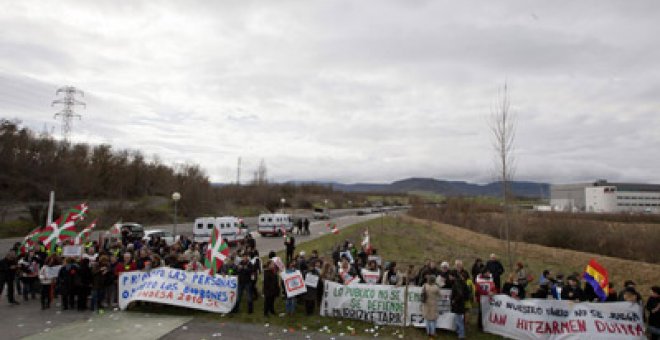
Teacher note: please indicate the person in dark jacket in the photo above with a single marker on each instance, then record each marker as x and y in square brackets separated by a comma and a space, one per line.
[101, 272]
[290, 244]
[477, 268]
[246, 273]
[271, 288]
[306, 225]
[84, 284]
[572, 291]
[653, 307]
[66, 280]
[513, 288]
[312, 291]
[8, 267]
[496, 270]
[459, 294]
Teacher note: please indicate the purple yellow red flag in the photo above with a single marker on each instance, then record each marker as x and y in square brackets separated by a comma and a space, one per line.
[598, 278]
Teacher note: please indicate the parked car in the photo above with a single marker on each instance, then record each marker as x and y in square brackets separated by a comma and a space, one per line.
[321, 214]
[163, 234]
[135, 230]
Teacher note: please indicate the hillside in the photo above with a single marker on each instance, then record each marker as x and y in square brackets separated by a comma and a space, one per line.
[449, 188]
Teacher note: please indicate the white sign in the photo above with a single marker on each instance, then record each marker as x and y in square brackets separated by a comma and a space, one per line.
[52, 272]
[197, 290]
[553, 319]
[311, 280]
[72, 251]
[380, 304]
[293, 283]
[445, 318]
[376, 258]
[370, 277]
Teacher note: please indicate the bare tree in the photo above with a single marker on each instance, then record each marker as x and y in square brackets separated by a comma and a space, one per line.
[261, 174]
[503, 129]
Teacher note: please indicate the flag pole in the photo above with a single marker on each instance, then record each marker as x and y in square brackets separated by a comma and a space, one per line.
[51, 203]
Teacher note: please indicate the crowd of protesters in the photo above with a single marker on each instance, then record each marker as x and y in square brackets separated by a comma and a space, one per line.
[89, 282]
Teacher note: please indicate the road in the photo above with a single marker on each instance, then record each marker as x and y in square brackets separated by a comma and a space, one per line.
[27, 320]
[185, 228]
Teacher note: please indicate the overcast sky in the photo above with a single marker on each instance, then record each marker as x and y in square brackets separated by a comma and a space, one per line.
[352, 91]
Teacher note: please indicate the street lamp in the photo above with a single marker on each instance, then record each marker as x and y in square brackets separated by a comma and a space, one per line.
[282, 201]
[176, 196]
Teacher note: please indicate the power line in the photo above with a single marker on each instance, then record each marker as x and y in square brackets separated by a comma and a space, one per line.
[67, 113]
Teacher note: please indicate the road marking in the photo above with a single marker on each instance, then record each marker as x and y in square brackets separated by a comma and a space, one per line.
[116, 325]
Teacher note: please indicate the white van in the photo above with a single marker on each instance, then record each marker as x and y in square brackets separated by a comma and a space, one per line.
[274, 224]
[231, 229]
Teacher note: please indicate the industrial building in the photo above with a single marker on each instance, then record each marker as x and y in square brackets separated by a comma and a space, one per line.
[604, 197]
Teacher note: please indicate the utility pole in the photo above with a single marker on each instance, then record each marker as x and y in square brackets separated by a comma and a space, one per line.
[238, 172]
[68, 102]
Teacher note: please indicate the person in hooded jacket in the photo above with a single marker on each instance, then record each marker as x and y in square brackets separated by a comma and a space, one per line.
[312, 291]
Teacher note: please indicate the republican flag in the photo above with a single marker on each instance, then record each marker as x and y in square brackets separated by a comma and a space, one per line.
[30, 240]
[216, 253]
[83, 236]
[597, 277]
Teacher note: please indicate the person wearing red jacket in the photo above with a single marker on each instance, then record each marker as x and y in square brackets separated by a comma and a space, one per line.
[125, 266]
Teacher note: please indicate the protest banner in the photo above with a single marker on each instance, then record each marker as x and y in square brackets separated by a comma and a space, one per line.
[553, 319]
[380, 304]
[370, 277]
[72, 251]
[347, 278]
[445, 316]
[53, 271]
[311, 280]
[197, 290]
[294, 284]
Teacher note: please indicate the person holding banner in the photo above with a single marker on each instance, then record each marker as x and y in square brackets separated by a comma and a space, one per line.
[430, 297]
[312, 284]
[245, 272]
[290, 303]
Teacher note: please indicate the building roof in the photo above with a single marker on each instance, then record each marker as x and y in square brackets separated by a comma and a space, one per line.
[640, 187]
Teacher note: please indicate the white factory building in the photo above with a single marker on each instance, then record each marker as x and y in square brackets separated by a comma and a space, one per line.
[604, 197]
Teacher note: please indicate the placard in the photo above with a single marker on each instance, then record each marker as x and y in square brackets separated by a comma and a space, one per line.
[294, 284]
[370, 277]
[555, 319]
[311, 280]
[52, 272]
[445, 318]
[72, 251]
[376, 258]
[197, 290]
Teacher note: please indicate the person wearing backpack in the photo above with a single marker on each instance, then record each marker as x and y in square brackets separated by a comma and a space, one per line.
[66, 281]
[429, 298]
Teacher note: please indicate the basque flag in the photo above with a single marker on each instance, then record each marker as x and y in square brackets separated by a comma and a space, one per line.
[597, 277]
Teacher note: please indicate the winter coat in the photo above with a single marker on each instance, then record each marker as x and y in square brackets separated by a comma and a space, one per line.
[271, 283]
[459, 293]
[430, 306]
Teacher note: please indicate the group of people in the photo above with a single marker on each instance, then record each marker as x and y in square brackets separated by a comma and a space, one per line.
[89, 282]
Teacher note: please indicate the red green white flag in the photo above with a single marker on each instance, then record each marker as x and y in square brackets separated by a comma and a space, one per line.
[83, 236]
[65, 226]
[216, 253]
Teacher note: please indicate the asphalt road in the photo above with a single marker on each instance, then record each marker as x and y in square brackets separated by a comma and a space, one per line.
[186, 227]
[27, 320]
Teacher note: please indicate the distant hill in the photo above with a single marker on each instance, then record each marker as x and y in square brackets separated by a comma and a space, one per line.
[449, 188]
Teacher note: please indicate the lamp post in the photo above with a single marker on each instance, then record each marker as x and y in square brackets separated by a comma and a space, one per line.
[176, 196]
[282, 201]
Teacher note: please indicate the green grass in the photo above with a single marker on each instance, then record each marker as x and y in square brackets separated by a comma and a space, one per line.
[405, 243]
[428, 196]
[16, 228]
